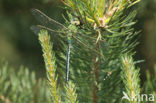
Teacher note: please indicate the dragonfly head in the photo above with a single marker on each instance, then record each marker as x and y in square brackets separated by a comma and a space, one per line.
[75, 21]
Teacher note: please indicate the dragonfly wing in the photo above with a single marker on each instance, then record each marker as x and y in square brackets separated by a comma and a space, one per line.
[45, 20]
[37, 28]
[81, 42]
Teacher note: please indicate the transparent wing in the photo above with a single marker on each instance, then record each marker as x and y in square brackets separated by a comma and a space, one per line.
[58, 28]
[46, 21]
[84, 44]
[37, 28]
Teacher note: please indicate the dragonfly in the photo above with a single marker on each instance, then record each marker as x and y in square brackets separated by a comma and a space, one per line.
[70, 33]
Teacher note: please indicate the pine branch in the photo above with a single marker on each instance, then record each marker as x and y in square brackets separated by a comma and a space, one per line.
[130, 77]
[101, 33]
[21, 86]
[104, 21]
[98, 12]
[71, 96]
[49, 59]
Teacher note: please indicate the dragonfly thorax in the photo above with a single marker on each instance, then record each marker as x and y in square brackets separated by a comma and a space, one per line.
[72, 28]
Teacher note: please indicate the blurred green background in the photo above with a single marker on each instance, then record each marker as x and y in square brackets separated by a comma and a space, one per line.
[19, 45]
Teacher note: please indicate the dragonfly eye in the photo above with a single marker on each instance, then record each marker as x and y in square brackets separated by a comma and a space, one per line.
[75, 22]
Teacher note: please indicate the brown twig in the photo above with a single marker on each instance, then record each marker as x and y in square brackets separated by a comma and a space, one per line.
[95, 76]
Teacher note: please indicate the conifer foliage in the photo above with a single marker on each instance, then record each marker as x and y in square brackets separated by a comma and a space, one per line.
[100, 32]
[22, 86]
[49, 59]
[94, 48]
[130, 76]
